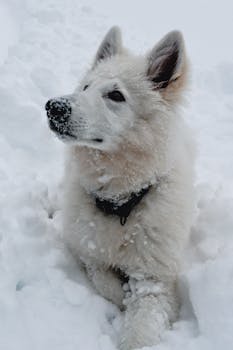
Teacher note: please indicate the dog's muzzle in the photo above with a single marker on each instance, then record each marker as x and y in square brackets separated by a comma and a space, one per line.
[59, 112]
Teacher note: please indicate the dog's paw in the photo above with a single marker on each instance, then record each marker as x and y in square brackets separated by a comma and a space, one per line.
[135, 289]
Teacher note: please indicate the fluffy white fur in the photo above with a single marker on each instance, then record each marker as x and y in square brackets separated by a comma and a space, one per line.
[145, 141]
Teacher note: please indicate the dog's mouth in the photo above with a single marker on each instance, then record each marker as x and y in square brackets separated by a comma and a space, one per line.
[98, 140]
[67, 136]
[64, 133]
[90, 142]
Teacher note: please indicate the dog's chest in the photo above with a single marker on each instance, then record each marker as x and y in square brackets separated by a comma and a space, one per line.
[102, 239]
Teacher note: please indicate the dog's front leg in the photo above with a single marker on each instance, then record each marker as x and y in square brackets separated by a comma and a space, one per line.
[107, 284]
[149, 311]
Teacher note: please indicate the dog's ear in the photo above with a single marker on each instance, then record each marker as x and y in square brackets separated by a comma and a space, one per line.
[167, 61]
[110, 46]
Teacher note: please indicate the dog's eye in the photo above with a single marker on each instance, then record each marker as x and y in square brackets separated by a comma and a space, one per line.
[116, 96]
[85, 87]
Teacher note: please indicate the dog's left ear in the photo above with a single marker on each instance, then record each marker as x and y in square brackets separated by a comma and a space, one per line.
[110, 46]
[167, 61]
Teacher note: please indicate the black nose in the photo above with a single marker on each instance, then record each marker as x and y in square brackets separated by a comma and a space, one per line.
[58, 110]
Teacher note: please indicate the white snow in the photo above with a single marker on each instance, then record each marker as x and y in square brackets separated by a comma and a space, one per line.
[45, 300]
[8, 32]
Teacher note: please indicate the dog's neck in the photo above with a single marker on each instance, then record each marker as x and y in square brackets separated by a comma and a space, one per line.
[116, 182]
[114, 177]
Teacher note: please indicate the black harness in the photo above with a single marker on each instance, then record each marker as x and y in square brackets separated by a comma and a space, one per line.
[109, 207]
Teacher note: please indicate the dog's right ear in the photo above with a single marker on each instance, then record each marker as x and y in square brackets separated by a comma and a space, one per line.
[110, 46]
[167, 61]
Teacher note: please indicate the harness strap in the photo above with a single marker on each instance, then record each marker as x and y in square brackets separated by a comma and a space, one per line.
[109, 207]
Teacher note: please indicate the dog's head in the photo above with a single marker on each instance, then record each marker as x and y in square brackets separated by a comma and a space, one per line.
[121, 94]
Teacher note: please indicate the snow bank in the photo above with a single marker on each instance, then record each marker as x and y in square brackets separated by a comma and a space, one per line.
[46, 301]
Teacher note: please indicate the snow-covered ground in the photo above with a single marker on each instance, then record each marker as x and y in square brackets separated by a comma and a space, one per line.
[45, 46]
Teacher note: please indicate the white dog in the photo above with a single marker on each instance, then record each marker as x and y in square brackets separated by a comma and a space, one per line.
[129, 180]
